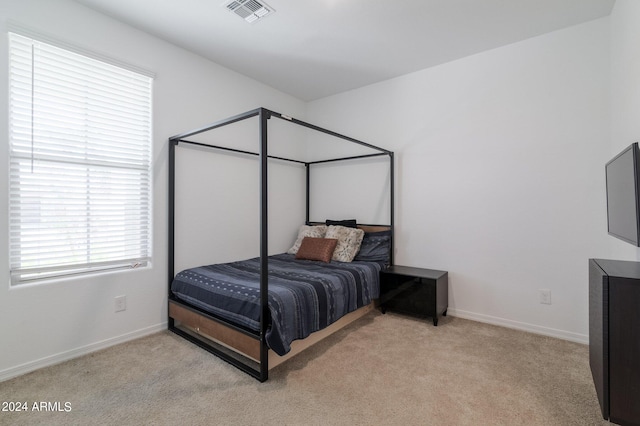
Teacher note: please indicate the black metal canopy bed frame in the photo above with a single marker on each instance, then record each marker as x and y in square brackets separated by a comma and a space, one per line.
[248, 349]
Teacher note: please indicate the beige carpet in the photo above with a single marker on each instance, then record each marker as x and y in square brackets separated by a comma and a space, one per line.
[383, 369]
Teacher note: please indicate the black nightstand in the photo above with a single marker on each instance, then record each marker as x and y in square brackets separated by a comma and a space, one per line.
[416, 291]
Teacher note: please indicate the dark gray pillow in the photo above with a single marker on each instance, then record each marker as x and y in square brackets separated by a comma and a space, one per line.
[375, 247]
[349, 223]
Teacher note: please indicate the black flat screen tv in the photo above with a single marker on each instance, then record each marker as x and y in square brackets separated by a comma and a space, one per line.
[623, 198]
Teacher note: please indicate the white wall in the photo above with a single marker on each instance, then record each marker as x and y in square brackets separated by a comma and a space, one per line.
[625, 93]
[46, 323]
[500, 173]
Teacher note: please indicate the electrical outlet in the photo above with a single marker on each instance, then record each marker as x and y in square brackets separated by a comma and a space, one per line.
[545, 296]
[121, 303]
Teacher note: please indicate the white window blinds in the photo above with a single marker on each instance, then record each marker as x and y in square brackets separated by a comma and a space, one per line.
[80, 162]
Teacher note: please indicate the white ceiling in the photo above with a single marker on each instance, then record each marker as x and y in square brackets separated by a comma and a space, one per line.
[316, 48]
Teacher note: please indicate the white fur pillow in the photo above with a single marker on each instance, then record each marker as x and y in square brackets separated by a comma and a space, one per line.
[316, 231]
[349, 240]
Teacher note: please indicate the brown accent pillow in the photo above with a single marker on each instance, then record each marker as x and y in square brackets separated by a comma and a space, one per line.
[317, 249]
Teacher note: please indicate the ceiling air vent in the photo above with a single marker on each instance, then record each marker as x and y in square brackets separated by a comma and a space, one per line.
[249, 10]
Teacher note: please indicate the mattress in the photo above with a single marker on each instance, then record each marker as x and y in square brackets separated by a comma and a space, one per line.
[304, 295]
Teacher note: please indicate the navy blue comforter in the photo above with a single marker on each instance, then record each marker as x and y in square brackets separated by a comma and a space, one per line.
[304, 295]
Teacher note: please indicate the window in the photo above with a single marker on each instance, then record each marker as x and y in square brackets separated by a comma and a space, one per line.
[80, 163]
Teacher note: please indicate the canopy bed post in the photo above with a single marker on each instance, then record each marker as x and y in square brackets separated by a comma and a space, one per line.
[307, 168]
[392, 202]
[264, 247]
[171, 219]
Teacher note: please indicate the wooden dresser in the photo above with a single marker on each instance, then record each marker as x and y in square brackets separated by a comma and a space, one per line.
[614, 338]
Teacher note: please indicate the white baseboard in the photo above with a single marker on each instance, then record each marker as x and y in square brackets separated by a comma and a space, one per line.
[552, 332]
[74, 353]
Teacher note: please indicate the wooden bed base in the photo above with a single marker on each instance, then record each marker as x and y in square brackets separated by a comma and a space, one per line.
[247, 346]
[243, 348]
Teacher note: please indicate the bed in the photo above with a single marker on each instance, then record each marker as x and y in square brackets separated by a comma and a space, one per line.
[256, 313]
